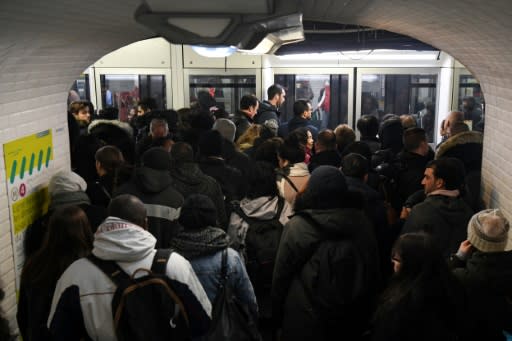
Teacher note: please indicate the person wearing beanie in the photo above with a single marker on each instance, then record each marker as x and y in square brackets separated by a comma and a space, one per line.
[66, 188]
[326, 272]
[226, 128]
[152, 183]
[483, 264]
[203, 245]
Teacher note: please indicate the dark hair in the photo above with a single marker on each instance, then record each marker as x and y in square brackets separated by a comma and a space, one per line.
[450, 169]
[344, 136]
[210, 143]
[327, 139]
[274, 89]
[413, 137]
[147, 103]
[293, 149]
[300, 106]
[109, 113]
[248, 101]
[76, 106]
[355, 165]
[368, 125]
[359, 148]
[299, 135]
[110, 158]
[67, 239]
[423, 275]
[262, 180]
[181, 153]
[129, 208]
[268, 151]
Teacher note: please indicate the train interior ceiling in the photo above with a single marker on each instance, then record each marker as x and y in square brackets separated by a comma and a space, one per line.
[46, 46]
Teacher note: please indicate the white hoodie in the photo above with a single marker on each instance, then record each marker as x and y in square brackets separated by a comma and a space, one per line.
[132, 248]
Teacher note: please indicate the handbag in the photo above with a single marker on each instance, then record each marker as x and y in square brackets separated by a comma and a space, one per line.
[231, 319]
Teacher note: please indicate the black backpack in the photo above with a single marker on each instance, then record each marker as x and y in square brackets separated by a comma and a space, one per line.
[261, 244]
[145, 308]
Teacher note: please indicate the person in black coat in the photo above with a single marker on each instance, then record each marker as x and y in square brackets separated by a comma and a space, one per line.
[152, 184]
[108, 160]
[327, 238]
[325, 151]
[301, 118]
[268, 112]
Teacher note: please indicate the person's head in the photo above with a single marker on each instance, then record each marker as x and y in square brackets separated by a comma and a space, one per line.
[415, 141]
[468, 103]
[304, 136]
[390, 134]
[66, 181]
[109, 113]
[108, 159]
[457, 128]
[210, 144]
[344, 136]
[489, 231]
[276, 94]
[68, 237]
[326, 189]
[444, 173]
[368, 126]
[80, 111]
[408, 121]
[158, 128]
[359, 148]
[249, 104]
[368, 104]
[262, 180]
[145, 105]
[269, 150]
[129, 208]
[452, 118]
[157, 158]
[226, 128]
[326, 140]
[414, 254]
[442, 128]
[181, 153]
[355, 165]
[303, 109]
[198, 212]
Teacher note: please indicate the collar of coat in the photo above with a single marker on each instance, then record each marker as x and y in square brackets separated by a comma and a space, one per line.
[460, 139]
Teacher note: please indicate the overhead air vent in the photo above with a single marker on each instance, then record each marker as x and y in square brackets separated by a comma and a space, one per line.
[191, 24]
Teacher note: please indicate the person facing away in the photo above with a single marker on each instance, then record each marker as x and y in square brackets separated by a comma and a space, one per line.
[423, 300]
[82, 302]
[202, 244]
[152, 184]
[268, 112]
[326, 272]
[443, 214]
[68, 238]
[483, 264]
[325, 151]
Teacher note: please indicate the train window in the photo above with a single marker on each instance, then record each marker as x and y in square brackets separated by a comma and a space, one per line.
[328, 95]
[403, 94]
[79, 90]
[226, 90]
[125, 91]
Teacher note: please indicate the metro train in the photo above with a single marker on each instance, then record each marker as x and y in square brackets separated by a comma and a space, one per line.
[425, 84]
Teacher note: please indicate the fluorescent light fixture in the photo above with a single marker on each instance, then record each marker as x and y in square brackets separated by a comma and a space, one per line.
[312, 56]
[214, 51]
[366, 55]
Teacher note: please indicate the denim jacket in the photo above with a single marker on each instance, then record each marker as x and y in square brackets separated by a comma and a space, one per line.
[208, 270]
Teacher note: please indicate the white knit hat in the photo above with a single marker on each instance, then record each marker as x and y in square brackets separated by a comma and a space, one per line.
[66, 181]
[488, 231]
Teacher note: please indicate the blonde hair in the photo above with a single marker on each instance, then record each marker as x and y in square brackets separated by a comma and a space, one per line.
[246, 140]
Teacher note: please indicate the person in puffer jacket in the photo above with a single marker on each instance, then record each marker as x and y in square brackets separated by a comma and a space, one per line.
[82, 302]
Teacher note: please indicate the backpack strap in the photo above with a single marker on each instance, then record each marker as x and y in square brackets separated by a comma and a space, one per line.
[160, 261]
[290, 182]
[111, 269]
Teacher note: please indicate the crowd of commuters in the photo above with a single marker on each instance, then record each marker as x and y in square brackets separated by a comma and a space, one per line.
[318, 236]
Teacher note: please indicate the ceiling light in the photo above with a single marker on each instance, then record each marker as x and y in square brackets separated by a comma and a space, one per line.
[214, 51]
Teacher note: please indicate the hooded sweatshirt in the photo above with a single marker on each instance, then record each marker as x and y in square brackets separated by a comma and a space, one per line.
[83, 295]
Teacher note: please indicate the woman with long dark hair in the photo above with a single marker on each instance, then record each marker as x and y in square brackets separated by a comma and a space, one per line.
[67, 239]
[423, 301]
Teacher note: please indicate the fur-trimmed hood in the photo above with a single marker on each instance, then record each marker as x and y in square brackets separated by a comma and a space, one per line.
[116, 123]
[467, 137]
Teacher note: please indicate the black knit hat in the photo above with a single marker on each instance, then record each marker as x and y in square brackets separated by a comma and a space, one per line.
[198, 212]
[157, 158]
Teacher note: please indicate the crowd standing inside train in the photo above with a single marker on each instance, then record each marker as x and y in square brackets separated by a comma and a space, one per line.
[299, 228]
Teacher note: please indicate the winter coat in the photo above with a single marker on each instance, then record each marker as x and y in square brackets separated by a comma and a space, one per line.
[299, 122]
[487, 278]
[189, 179]
[230, 179]
[299, 175]
[412, 169]
[82, 303]
[268, 115]
[445, 218]
[328, 158]
[162, 201]
[296, 273]
[33, 308]
[116, 133]
[466, 146]
[242, 123]
[100, 191]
